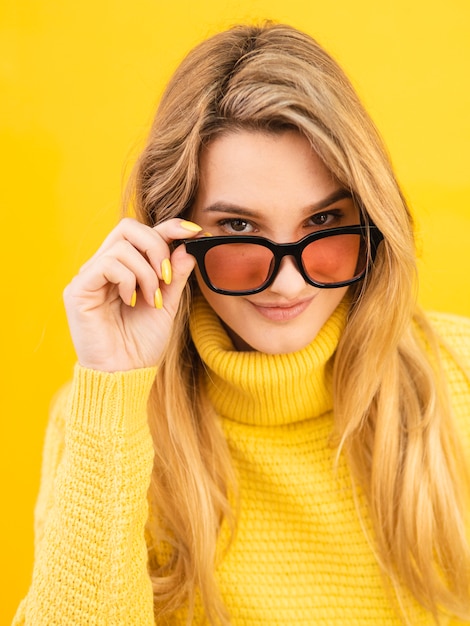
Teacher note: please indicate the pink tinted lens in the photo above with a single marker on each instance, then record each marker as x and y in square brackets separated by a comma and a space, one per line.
[238, 266]
[335, 259]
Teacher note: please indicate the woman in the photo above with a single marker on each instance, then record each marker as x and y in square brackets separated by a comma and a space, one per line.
[309, 424]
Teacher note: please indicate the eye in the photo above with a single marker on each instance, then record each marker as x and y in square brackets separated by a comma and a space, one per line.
[327, 218]
[236, 225]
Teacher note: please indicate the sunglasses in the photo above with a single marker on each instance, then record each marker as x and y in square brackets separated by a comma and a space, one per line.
[241, 265]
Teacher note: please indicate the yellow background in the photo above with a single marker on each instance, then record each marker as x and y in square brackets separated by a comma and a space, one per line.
[79, 82]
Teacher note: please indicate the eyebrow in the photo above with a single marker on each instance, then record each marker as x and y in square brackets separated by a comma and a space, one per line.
[228, 207]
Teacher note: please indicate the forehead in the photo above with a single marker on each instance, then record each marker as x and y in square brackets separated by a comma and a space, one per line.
[252, 167]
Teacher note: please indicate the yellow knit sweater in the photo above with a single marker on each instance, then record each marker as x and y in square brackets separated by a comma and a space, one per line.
[300, 555]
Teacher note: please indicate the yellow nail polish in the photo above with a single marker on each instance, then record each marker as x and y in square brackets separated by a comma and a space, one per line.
[134, 298]
[158, 299]
[191, 226]
[166, 271]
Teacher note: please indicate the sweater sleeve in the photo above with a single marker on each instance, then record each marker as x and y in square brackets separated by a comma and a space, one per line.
[90, 551]
[454, 332]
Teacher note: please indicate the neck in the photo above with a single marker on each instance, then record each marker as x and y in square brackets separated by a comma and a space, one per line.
[264, 389]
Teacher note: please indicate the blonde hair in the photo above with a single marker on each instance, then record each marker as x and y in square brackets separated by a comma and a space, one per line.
[392, 416]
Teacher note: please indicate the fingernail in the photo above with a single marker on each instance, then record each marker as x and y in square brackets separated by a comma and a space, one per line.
[158, 299]
[134, 298]
[206, 234]
[166, 271]
[191, 226]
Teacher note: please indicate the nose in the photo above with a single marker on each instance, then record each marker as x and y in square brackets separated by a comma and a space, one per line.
[289, 282]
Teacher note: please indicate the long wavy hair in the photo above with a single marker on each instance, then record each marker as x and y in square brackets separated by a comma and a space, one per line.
[392, 417]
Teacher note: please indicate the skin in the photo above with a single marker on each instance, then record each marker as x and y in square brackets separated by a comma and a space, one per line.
[271, 185]
[122, 304]
[107, 332]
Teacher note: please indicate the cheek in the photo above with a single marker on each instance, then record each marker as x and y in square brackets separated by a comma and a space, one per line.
[230, 311]
[238, 266]
[332, 259]
[222, 305]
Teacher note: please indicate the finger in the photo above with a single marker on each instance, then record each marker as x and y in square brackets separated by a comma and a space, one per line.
[182, 265]
[169, 231]
[144, 275]
[150, 241]
[128, 229]
[177, 228]
[94, 284]
[154, 243]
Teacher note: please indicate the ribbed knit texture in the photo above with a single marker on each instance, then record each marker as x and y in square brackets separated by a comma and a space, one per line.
[299, 556]
[90, 564]
[261, 389]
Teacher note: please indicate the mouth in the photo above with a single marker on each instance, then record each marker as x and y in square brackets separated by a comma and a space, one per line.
[282, 312]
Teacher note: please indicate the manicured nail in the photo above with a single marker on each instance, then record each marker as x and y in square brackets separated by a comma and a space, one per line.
[206, 234]
[134, 298]
[166, 271]
[158, 299]
[191, 226]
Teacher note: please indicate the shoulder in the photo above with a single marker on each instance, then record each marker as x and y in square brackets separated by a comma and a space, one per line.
[450, 324]
[453, 339]
[453, 332]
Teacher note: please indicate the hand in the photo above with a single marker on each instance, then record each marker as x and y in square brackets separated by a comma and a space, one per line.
[121, 305]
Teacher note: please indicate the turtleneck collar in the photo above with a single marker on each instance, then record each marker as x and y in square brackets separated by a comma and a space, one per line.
[265, 389]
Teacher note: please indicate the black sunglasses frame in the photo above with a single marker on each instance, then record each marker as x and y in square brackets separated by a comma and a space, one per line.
[199, 247]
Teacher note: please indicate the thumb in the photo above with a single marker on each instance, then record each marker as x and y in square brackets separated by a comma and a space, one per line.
[182, 264]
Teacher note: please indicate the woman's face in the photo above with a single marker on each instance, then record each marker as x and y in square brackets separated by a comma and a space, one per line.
[274, 186]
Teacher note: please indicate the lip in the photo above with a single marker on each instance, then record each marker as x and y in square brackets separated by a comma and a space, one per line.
[284, 312]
